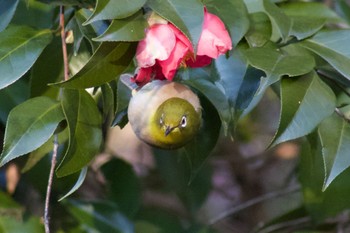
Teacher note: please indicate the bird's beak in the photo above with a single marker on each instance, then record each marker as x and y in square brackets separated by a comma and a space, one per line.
[168, 130]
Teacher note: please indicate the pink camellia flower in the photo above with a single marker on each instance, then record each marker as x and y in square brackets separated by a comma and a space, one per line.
[165, 48]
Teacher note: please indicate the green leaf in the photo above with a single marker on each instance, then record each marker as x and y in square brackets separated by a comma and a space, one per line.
[11, 225]
[260, 30]
[7, 10]
[123, 186]
[48, 68]
[305, 102]
[36, 155]
[186, 15]
[304, 27]
[239, 81]
[6, 202]
[108, 104]
[310, 10]
[333, 47]
[344, 9]
[85, 135]
[204, 142]
[89, 31]
[321, 204]
[114, 9]
[281, 24]
[233, 13]
[123, 95]
[109, 61]
[276, 64]
[20, 47]
[214, 94]
[34, 14]
[100, 216]
[14, 95]
[128, 29]
[334, 134]
[30, 125]
[79, 182]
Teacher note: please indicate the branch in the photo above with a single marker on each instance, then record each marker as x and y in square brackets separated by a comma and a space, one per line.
[49, 185]
[55, 147]
[64, 46]
[254, 201]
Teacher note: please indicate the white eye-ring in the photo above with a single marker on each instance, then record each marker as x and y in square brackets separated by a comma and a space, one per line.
[161, 121]
[183, 122]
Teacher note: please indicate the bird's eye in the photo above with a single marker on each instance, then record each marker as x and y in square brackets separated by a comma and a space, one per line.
[183, 122]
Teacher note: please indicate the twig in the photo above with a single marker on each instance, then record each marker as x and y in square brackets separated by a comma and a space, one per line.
[254, 201]
[55, 147]
[282, 225]
[49, 185]
[64, 46]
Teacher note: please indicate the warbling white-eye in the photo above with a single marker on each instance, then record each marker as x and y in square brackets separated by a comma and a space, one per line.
[165, 114]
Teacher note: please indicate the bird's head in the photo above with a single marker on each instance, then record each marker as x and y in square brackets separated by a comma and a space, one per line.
[175, 123]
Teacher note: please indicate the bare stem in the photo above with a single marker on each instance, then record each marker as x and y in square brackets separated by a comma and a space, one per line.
[64, 46]
[49, 185]
[254, 201]
[55, 146]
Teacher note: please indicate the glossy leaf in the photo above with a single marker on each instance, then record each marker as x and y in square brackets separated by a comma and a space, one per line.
[334, 133]
[213, 93]
[333, 47]
[123, 96]
[114, 9]
[36, 155]
[259, 31]
[7, 10]
[14, 95]
[310, 10]
[304, 27]
[128, 29]
[233, 13]
[204, 142]
[30, 125]
[186, 15]
[21, 46]
[85, 135]
[239, 80]
[34, 14]
[100, 216]
[276, 64]
[305, 102]
[123, 186]
[88, 31]
[321, 204]
[108, 104]
[48, 68]
[106, 64]
[79, 182]
[281, 24]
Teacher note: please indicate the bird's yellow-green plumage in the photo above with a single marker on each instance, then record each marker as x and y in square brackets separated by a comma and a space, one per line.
[165, 114]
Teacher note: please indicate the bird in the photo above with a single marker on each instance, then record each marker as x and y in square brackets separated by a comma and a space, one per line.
[165, 114]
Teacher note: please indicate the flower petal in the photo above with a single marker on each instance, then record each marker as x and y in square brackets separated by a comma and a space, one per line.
[143, 76]
[170, 65]
[214, 39]
[158, 44]
[200, 61]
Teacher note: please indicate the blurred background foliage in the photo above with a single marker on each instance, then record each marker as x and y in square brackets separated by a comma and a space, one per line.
[272, 155]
